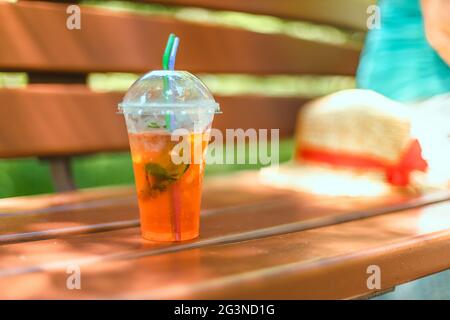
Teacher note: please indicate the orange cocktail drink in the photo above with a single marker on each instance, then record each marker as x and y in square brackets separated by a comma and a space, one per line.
[169, 192]
[168, 115]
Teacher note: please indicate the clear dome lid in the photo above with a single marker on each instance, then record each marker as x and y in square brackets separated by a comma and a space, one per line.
[162, 91]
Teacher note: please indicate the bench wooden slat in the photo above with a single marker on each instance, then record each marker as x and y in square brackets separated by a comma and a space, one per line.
[57, 219]
[328, 262]
[261, 212]
[54, 120]
[343, 13]
[112, 204]
[59, 120]
[35, 38]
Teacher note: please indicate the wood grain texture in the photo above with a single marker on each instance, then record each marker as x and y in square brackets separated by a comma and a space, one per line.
[225, 199]
[328, 262]
[53, 120]
[57, 120]
[118, 41]
[344, 13]
[261, 211]
[62, 214]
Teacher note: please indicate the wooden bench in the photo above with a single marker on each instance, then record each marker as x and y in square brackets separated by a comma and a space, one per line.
[256, 241]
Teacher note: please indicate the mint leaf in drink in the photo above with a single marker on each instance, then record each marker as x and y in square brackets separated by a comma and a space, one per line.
[159, 177]
[155, 125]
[156, 170]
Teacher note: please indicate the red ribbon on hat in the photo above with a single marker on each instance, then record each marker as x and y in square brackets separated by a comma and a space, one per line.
[397, 174]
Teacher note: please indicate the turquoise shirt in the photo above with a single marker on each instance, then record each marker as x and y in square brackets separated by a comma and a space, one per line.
[397, 60]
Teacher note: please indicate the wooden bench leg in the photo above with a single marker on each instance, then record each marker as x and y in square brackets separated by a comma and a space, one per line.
[61, 174]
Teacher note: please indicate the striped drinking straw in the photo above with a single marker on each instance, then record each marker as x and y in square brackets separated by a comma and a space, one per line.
[168, 62]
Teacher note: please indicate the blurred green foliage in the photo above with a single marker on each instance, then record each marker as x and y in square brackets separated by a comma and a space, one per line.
[241, 84]
[13, 79]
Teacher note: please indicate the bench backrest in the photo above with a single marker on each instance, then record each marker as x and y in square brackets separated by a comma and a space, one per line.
[57, 115]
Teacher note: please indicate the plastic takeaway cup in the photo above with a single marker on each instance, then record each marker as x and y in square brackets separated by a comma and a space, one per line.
[168, 116]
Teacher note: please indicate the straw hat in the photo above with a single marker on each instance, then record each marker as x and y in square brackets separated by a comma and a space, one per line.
[354, 142]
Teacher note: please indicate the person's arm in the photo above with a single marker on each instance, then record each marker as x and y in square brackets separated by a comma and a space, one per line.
[436, 14]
